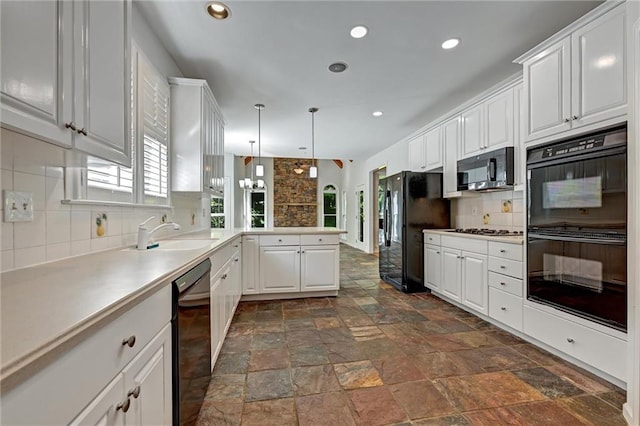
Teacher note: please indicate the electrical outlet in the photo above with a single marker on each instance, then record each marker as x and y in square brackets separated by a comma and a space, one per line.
[18, 206]
[474, 211]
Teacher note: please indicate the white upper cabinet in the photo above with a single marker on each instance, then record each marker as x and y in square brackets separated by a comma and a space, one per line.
[499, 110]
[473, 140]
[433, 149]
[34, 78]
[577, 80]
[450, 142]
[197, 138]
[65, 74]
[416, 150]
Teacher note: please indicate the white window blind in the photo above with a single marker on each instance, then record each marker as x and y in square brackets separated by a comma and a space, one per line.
[106, 175]
[155, 130]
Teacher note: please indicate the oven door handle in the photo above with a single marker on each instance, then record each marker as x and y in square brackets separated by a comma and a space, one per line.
[578, 239]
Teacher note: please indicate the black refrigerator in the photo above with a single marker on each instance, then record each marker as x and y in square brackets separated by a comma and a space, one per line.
[412, 201]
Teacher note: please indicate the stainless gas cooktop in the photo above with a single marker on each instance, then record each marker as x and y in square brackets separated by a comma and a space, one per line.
[486, 231]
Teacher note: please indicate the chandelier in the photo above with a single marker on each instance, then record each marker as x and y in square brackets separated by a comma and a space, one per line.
[248, 183]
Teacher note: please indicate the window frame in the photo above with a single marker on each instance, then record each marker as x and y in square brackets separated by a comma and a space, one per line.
[247, 206]
[335, 191]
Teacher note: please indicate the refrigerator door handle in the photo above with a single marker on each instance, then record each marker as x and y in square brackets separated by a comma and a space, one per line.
[387, 219]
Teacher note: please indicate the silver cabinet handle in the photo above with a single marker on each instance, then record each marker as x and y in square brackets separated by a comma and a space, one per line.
[430, 239]
[297, 251]
[566, 120]
[570, 340]
[503, 267]
[503, 283]
[224, 277]
[135, 392]
[319, 239]
[130, 341]
[461, 257]
[235, 245]
[437, 252]
[503, 308]
[503, 251]
[575, 117]
[236, 259]
[302, 251]
[71, 125]
[82, 131]
[124, 406]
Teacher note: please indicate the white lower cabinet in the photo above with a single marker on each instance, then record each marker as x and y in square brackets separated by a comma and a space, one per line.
[432, 267]
[452, 275]
[474, 281]
[319, 268]
[290, 264]
[506, 308]
[101, 376]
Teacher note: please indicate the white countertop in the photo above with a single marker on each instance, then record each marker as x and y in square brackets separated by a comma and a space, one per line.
[46, 309]
[512, 239]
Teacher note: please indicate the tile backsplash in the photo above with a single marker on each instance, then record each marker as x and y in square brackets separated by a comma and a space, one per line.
[493, 210]
[59, 231]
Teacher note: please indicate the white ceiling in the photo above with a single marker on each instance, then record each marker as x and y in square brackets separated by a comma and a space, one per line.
[277, 53]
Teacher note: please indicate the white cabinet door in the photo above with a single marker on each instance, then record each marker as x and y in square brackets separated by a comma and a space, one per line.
[474, 281]
[599, 83]
[432, 266]
[416, 154]
[499, 110]
[279, 269]
[217, 314]
[472, 131]
[320, 268]
[106, 409]
[433, 149]
[450, 144]
[450, 276]
[547, 86]
[250, 264]
[35, 70]
[102, 77]
[148, 383]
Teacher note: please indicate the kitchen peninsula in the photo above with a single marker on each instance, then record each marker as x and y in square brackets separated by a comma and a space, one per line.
[76, 314]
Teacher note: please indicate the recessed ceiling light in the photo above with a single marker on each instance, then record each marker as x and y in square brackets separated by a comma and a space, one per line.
[451, 43]
[337, 67]
[359, 31]
[218, 10]
[377, 113]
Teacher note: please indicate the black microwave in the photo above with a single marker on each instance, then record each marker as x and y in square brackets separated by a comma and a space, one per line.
[491, 170]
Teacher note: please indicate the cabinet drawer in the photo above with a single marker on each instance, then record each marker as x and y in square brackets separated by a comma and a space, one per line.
[220, 257]
[512, 268]
[279, 240]
[506, 308]
[506, 283]
[318, 239]
[505, 250]
[475, 245]
[430, 238]
[604, 352]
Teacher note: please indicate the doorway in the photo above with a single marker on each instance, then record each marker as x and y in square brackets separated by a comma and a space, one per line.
[378, 207]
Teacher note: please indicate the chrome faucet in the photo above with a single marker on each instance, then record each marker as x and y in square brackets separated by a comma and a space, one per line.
[144, 235]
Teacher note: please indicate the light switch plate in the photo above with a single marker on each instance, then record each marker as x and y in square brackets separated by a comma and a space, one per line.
[18, 206]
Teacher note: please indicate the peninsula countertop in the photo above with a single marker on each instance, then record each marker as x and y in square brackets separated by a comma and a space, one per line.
[46, 309]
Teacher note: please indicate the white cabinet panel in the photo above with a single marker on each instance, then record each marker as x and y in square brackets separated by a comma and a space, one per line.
[499, 111]
[506, 283]
[318, 239]
[433, 239]
[33, 83]
[506, 250]
[102, 84]
[599, 80]
[433, 267]
[473, 140]
[106, 408]
[279, 240]
[416, 154]
[433, 149]
[279, 269]
[319, 268]
[451, 277]
[250, 264]
[474, 281]
[512, 268]
[450, 145]
[547, 85]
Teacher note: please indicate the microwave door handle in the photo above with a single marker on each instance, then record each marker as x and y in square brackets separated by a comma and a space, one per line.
[491, 169]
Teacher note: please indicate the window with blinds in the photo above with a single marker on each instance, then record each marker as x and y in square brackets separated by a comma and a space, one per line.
[154, 91]
[150, 142]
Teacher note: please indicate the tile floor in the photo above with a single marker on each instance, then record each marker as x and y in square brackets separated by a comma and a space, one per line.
[376, 356]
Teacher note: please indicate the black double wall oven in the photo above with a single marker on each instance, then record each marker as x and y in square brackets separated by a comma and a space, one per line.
[577, 226]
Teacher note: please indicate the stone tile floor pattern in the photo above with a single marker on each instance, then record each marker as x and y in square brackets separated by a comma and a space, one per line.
[376, 356]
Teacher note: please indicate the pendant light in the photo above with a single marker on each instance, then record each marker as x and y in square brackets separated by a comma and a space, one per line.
[248, 183]
[259, 166]
[313, 170]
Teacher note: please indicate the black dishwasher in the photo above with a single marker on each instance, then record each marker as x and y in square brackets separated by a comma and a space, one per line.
[191, 343]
